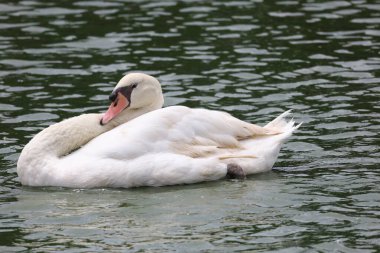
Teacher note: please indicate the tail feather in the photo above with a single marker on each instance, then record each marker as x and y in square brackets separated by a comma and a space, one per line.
[281, 125]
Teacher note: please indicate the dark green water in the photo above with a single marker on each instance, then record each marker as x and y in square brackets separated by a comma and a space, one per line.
[253, 59]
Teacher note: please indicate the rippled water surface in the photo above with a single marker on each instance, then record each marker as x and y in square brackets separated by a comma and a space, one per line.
[253, 59]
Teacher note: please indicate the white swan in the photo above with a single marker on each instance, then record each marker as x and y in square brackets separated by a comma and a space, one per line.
[136, 143]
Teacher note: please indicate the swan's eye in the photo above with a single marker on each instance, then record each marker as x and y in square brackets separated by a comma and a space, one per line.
[134, 85]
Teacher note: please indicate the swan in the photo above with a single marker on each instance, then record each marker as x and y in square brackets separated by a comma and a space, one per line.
[139, 143]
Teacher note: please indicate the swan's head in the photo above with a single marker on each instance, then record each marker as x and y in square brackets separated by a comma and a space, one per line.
[134, 94]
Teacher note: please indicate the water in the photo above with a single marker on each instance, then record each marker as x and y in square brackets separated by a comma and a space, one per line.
[253, 59]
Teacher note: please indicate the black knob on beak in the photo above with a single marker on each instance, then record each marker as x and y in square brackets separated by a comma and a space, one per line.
[113, 96]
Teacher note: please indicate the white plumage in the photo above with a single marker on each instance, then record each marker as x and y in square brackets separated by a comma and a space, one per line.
[144, 145]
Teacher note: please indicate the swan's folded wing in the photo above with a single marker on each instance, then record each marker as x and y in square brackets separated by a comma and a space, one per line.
[203, 133]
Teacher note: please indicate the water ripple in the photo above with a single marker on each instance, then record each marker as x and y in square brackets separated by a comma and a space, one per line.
[253, 59]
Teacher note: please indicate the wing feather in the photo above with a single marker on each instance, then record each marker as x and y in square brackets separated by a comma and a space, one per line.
[211, 133]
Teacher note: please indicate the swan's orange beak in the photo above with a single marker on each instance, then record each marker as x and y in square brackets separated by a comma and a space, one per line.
[119, 104]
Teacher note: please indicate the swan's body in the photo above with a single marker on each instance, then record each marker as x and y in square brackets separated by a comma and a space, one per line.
[173, 145]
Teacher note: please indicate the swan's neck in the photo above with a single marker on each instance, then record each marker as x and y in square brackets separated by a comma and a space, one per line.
[64, 137]
[68, 135]
[58, 140]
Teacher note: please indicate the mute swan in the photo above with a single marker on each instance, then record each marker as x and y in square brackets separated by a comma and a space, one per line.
[138, 143]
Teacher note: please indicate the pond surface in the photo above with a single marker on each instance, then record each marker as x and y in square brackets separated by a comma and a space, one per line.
[254, 59]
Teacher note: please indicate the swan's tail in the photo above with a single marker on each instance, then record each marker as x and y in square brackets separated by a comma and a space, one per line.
[283, 126]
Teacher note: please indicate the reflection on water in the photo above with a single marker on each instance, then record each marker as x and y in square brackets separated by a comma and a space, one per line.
[253, 59]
